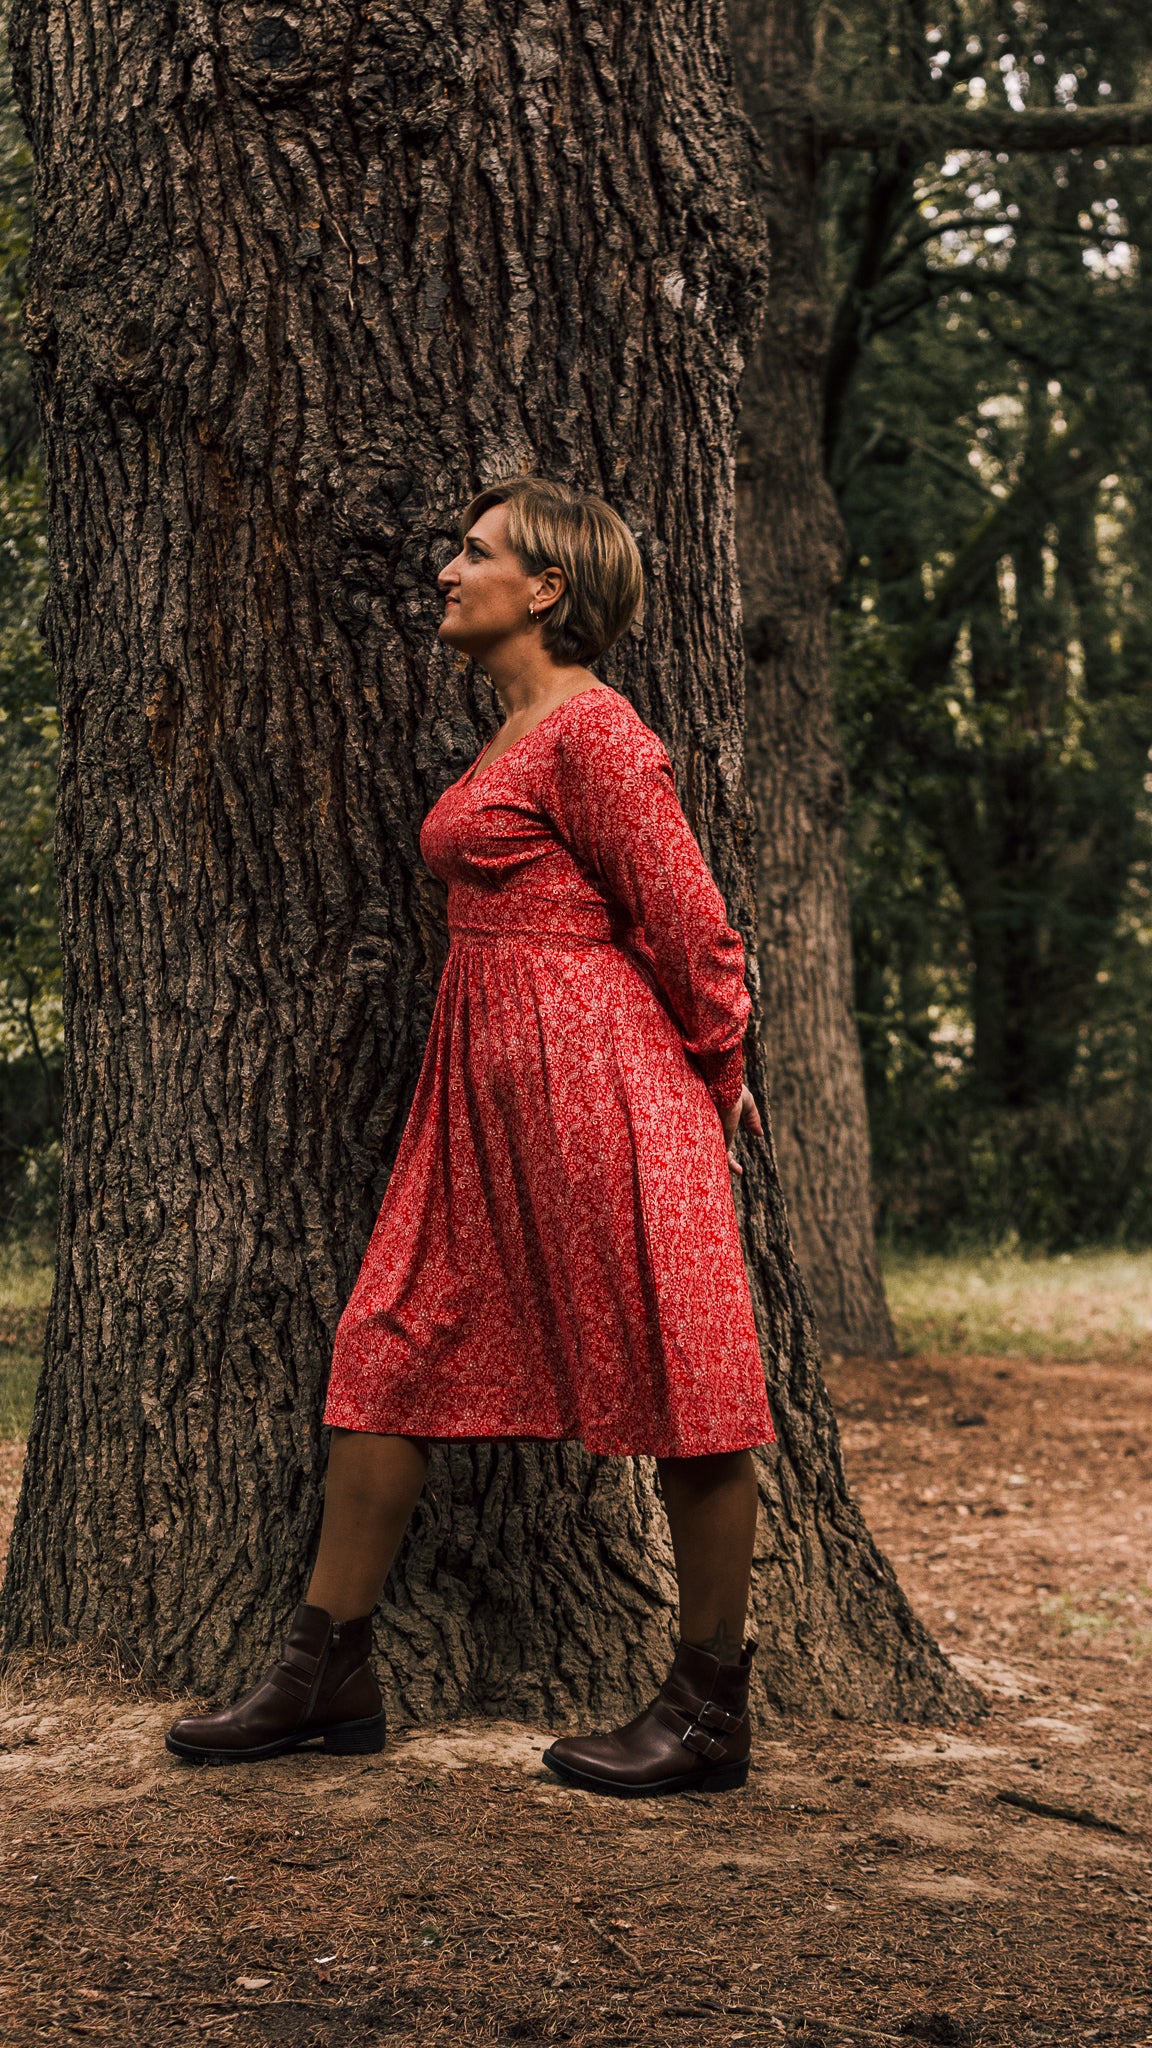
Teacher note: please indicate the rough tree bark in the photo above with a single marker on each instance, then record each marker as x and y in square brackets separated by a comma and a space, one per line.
[303, 277]
[791, 547]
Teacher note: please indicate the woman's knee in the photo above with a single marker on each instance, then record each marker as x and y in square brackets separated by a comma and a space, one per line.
[712, 1468]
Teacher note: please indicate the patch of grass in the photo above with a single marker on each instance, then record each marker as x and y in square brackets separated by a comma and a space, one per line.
[1079, 1305]
[25, 1291]
[1115, 1613]
[1063, 1615]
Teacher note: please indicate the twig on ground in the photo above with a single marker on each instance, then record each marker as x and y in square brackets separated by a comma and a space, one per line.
[1080, 1816]
[612, 1942]
[779, 2019]
[652, 1884]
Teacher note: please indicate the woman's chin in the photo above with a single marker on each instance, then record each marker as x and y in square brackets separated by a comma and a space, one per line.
[453, 634]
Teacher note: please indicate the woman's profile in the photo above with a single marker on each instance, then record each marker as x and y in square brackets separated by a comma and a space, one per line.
[557, 1252]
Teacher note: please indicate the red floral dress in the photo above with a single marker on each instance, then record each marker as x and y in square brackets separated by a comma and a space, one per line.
[557, 1253]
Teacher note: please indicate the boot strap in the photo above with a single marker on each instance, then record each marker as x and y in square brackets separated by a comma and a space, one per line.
[700, 1720]
[300, 1676]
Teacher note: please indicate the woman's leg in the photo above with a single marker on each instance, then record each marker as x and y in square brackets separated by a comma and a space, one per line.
[323, 1686]
[372, 1486]
[711, 1508]
[697, 1733]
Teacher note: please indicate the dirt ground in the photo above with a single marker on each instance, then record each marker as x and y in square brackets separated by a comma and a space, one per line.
[871, 1884]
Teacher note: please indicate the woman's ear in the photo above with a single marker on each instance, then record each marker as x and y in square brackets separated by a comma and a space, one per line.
[553, 584]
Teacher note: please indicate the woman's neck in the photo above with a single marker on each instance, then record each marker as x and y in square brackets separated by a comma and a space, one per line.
[525, 678]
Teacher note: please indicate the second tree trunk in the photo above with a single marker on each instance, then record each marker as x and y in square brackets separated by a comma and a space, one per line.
[791, 548]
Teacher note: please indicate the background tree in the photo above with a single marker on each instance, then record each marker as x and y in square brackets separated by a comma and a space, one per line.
[336, 269]
[926, 101]
[991, 450]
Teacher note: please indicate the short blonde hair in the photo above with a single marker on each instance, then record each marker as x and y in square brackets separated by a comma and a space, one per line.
[552, 526]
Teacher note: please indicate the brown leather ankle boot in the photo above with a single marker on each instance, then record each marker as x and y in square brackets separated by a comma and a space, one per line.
[322, 1688]
[695, 1737]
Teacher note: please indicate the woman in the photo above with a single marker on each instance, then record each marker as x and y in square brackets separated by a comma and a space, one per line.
[557, 1253]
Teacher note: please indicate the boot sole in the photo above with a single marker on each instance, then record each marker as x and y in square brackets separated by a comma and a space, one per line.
[728, 1778]
[347, 1738]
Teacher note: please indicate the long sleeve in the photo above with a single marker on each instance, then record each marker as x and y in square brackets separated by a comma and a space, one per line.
[621, 818]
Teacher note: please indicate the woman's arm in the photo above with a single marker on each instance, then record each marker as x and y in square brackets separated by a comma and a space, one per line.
[621, 818]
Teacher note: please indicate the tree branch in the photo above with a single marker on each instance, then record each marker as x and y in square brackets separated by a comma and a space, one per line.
[929, 129]
[882, 432]
[948, 224]
[956, 469]
[1066, 472]
[888, 204]
[31, 991]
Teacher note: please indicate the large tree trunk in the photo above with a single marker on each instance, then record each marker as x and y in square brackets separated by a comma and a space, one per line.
[301, 281]
[791, 546]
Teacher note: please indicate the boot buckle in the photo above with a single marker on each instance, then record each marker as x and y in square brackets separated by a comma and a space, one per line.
[701, 1743]
[712, 1716]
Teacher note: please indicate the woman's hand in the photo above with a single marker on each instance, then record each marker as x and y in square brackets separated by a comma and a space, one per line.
[742, 1112]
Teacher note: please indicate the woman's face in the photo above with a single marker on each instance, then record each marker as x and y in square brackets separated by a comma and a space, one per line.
[487, 591]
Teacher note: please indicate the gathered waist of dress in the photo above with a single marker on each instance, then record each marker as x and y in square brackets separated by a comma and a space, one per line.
[553, 937]
[561, 924]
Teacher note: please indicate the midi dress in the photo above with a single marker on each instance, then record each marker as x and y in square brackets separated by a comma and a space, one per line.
[557, 1252]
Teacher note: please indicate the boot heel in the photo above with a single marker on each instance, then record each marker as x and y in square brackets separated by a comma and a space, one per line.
[727, 1780]
[356, 1738]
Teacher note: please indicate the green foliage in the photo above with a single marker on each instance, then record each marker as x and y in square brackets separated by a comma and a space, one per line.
[990, 438]
[25, 1291]
[29, 743]
[30, 1016]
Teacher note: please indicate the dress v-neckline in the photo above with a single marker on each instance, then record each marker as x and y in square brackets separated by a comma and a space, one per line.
[471, 776]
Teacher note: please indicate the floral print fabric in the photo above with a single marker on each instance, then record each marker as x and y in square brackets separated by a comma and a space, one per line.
[557, 1252]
